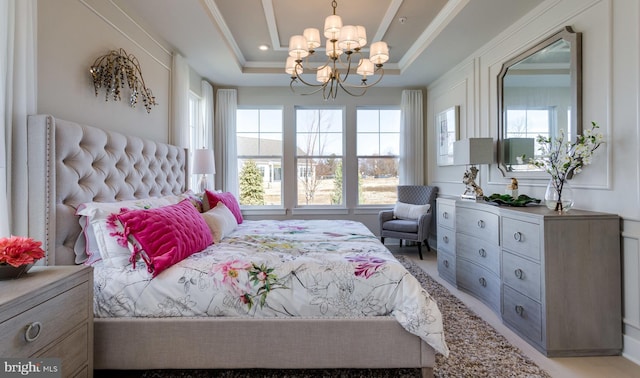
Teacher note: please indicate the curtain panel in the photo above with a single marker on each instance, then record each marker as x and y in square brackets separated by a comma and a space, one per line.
[411, 139]
[225, 140]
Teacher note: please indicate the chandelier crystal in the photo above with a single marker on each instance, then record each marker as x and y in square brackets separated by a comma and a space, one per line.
[344, 59]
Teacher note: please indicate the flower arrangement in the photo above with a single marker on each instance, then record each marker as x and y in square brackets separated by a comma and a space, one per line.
[563, 159]
[17, 251]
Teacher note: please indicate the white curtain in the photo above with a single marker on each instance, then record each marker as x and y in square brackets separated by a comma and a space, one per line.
[411, 139]
[225, 138]
[207, 122]
[17, 100]
[179, 102]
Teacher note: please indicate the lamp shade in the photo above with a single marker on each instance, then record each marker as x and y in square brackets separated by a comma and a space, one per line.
[203, 162]
[473, 151]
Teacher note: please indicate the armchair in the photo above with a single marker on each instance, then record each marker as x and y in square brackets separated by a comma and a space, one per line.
[410, 229]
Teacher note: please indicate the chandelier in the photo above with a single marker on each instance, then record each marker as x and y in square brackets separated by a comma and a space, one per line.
[336, 72]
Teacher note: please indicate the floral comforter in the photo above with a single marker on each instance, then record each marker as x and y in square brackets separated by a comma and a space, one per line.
[278, 269]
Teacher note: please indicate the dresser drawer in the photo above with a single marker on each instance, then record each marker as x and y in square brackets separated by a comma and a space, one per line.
[446, 215]
[522, 275]
[479, 251]
[481, 224]
[521, 237]
[447, 266]
[49, 321]
[523, 314]
[480, 282]
[446, 240]
[72, 351]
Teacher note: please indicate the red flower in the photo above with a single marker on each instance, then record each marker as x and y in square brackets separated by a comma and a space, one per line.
[17, 251]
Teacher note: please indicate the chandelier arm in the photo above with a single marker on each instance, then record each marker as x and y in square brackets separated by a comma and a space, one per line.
[292, 87]
[350, 93]
[366, 85]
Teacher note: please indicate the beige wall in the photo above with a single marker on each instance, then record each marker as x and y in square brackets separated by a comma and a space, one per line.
[71, 35]
[611, 83]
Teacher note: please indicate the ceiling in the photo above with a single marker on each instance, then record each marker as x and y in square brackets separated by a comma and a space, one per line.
[220, 38]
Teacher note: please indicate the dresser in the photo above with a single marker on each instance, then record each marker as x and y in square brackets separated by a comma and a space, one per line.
[555, 279]
[48, 313]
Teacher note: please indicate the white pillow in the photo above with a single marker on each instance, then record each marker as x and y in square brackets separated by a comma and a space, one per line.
[221, 221]
[408, 211]
[100, 239]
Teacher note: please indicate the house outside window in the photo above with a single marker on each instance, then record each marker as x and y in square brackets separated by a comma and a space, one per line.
[530, 122]
[319, 156]
[259, 145]
[378, 149]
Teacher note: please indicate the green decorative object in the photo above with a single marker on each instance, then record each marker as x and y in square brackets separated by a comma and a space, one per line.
[507, 200]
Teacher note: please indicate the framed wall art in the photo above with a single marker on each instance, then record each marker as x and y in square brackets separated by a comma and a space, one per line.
[447, 132]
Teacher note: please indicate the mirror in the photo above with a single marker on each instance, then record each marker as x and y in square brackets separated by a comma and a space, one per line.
[539, 93]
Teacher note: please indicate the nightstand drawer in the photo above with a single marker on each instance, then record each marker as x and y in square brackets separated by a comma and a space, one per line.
[522, 275]
[479, 281]
[479, 251]
[523, 313]
[481, 224]
[48, 321]
[72, 350]
[521, 237]
[446, 240]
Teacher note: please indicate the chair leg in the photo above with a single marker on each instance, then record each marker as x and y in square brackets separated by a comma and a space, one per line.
[382, 239]
[400, 243]
[426, 242]
[420, 249]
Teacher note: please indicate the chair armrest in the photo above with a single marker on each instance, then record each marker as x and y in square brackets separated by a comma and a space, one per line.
[424, 223]
[384, 216]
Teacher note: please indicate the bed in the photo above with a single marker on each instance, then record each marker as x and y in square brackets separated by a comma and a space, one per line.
[72, 164]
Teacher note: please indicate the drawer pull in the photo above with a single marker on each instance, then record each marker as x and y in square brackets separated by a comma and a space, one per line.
[445, 263]
[481, 223]
[517, 236]
[32, 331]
[519, 310]
[445, 239]
[445, 215]
[483, 282]
[482, 252]
[519, 274]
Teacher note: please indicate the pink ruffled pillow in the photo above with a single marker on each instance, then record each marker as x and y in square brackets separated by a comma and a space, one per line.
[166, 235]
[229, 201]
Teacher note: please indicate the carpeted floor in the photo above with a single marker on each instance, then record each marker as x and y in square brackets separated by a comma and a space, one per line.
[476, 350]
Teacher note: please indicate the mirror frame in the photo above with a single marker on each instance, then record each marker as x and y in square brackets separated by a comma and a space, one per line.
[575, 39]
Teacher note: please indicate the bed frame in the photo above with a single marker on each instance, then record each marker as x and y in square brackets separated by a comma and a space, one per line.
[70, 164]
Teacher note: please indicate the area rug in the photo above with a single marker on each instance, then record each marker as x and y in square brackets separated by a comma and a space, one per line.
[476, 350]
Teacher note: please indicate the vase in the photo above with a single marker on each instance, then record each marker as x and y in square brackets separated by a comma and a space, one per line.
[559, 199]
[9, 272]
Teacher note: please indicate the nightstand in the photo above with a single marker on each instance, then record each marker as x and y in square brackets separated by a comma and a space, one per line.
[48, 313]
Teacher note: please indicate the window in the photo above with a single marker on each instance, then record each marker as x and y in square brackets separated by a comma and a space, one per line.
[196, 131]
[319, 157]
[259, 146]
[378, 149]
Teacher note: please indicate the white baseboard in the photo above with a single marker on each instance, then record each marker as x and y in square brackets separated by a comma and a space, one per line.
[631, 349]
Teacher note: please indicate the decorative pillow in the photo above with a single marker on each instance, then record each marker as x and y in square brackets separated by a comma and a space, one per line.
[229, 201]
[102, 238]
[221, 221]
[165, 236]
[408, 211]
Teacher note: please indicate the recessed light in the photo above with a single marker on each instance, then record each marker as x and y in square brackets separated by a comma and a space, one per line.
[264, 47]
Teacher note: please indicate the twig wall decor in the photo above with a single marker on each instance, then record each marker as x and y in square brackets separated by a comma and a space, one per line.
[113, 70]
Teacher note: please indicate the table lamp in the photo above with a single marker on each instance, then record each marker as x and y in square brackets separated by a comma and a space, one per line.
[470, 152]
[203, 164]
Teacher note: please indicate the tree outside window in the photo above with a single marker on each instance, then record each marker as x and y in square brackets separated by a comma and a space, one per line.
[319, 146]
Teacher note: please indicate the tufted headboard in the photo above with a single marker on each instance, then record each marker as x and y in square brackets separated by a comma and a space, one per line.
[69, 164]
